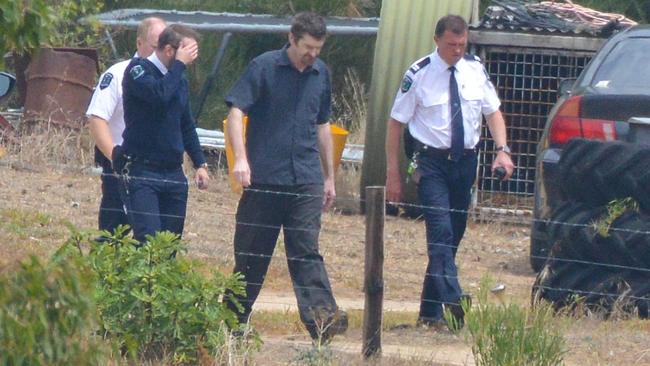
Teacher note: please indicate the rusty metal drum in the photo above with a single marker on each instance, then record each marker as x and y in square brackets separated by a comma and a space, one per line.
[59, 86]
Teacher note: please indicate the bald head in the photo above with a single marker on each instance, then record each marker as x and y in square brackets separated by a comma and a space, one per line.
[148, 32]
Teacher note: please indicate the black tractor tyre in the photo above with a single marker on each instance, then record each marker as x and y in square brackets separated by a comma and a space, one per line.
[607, 175]
[632, 231]
[545, 233]
[576, 180]
[608, 273]
[540, 245]
[597, 172]
[577, 157]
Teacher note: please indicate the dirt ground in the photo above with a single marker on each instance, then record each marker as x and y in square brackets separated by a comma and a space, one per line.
[54, 198]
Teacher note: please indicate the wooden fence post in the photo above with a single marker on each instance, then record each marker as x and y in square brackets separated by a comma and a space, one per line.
[374, 270]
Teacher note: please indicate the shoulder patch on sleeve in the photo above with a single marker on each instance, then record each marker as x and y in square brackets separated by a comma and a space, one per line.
[106, 81]
[486, 73]
[418, 66]
[136, 72]
[470, 57]
[406, 83]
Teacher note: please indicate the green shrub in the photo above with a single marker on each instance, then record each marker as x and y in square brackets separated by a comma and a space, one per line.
[154, 305]
[508, 335]
[47, 315]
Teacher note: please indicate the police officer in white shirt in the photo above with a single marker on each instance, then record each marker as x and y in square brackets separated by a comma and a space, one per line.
[106, 122]
[442, 100]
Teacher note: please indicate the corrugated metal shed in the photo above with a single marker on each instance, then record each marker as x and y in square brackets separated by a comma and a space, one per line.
[234, 22]
[406, 30]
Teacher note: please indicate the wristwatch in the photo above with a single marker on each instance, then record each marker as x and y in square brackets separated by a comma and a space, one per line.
[503, 148]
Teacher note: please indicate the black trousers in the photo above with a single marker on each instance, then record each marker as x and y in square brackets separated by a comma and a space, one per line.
[262, 211]
[445, 191]
[155, 199]
[111, 209]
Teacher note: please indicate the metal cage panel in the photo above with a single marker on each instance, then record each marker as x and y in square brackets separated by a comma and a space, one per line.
[527, 80]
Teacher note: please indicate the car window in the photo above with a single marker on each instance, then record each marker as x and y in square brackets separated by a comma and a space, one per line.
[625, 70]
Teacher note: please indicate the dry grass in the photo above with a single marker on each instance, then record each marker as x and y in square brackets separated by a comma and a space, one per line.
[38, 204]
[351, 107]
[50, 145]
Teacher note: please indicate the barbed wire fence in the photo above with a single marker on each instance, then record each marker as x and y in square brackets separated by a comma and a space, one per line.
[362, 234]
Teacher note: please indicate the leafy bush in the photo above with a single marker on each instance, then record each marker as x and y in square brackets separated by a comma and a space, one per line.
[509, 335]
[24, 25]
[153, 304]
[68, 30]
[47, 315]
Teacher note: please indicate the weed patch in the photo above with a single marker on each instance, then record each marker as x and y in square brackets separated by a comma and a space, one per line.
[509, 335]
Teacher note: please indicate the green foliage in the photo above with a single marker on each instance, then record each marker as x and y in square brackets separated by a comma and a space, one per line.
[69, 31]
[508, 335]
[638, 10]
[153, 304]
[47, 315]
[615, 209]
[24, 25]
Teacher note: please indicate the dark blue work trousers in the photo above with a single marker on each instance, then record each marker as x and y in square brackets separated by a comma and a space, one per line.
[155, 199]
[262, 211]
[111, 209]
[445, 192]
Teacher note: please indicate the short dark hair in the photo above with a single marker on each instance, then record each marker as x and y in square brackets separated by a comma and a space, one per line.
[310, 23]
[452, 23]
[174, 34]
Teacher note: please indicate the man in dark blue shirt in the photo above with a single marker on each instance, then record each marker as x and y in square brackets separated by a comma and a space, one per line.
[287, 169]
[159, 128]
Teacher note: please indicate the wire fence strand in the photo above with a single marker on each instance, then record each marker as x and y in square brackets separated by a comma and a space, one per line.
[349, 234]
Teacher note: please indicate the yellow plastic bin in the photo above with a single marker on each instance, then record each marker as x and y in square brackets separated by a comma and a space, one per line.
[339, 136]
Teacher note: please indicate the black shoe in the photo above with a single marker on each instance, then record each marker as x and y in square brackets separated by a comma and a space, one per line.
[323, 332]
[457, 312]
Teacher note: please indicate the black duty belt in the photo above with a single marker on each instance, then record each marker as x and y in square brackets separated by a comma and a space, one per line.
[432, 152]
[155, 165]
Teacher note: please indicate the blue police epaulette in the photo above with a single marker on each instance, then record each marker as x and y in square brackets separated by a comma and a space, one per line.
[470, 57]
[422, 63]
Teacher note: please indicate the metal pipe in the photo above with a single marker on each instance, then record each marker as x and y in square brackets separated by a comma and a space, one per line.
[209, 82]
[234, 22]
[109, 38]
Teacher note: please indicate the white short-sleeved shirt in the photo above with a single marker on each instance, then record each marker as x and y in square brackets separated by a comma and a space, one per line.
[423, 100]
[106, 102]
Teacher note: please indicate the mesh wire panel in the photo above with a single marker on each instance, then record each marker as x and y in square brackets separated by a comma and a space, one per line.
[527, 81]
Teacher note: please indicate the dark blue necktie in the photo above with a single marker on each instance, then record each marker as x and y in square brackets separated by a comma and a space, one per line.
[457, 132]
